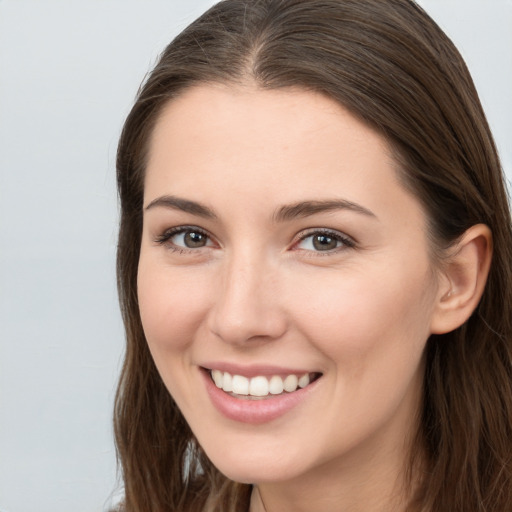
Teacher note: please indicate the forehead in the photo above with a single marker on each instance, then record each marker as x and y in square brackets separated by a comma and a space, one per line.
[268, 146]
[258, 115]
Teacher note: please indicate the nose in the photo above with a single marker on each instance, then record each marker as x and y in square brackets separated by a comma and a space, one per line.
[247, 304]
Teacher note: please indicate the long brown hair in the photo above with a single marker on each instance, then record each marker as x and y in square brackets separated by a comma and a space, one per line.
[393, 67]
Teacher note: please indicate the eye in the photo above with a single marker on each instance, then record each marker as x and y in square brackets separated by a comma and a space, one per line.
[324, 241]
[185, 238]
[190, 239]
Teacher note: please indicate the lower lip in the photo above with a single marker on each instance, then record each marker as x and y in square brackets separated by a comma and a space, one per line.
[254, 411]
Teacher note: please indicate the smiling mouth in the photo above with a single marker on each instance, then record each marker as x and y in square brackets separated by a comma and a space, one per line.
[260, 387]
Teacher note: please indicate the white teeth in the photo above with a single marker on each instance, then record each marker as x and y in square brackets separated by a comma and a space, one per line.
[304, 380]
[227, 383]
[290, 383]
[258, 386]
[240, 385]
[276, 385]
[217, 378]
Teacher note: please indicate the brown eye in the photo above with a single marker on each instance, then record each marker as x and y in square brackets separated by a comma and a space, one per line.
[324, 242]
[183, 238]
[194, 239]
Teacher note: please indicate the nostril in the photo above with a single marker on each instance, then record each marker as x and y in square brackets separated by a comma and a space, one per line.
[251, 326]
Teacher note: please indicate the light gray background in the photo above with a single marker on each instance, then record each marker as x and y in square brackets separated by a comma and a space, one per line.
[69, 70]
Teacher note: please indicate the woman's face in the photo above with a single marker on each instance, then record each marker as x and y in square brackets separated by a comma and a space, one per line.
[279, 247]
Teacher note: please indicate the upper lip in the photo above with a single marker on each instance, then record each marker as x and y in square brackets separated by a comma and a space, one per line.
[255, 370]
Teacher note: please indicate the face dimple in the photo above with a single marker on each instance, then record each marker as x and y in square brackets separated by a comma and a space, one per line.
[315, 259]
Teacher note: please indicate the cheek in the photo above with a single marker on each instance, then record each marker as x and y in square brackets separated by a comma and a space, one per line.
[369, 317]
[171, 306]
[171, 310]
[372, 334]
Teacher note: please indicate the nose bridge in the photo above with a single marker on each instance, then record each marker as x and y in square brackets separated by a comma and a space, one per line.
[247, 302]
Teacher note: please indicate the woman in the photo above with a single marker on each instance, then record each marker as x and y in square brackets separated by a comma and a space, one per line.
[314, 269]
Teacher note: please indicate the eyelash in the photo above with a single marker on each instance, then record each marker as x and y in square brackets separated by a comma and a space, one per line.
[165, 237]
[345, 241]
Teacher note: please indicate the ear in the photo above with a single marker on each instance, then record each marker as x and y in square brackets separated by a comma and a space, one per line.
[463, 277]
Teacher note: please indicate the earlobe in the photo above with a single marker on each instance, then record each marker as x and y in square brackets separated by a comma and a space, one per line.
[464, 276]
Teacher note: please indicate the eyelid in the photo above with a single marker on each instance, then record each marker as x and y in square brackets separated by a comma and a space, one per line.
[346, 241]
[165, 237]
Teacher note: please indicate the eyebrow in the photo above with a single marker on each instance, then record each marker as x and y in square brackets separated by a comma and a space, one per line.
[283, 214]
[308, 208]
[185, 205]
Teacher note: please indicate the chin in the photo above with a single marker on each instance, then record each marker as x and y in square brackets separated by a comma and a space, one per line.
[257, 465]
[256, 474]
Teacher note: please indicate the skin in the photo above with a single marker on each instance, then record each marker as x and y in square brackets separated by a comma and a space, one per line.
[259, 292]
